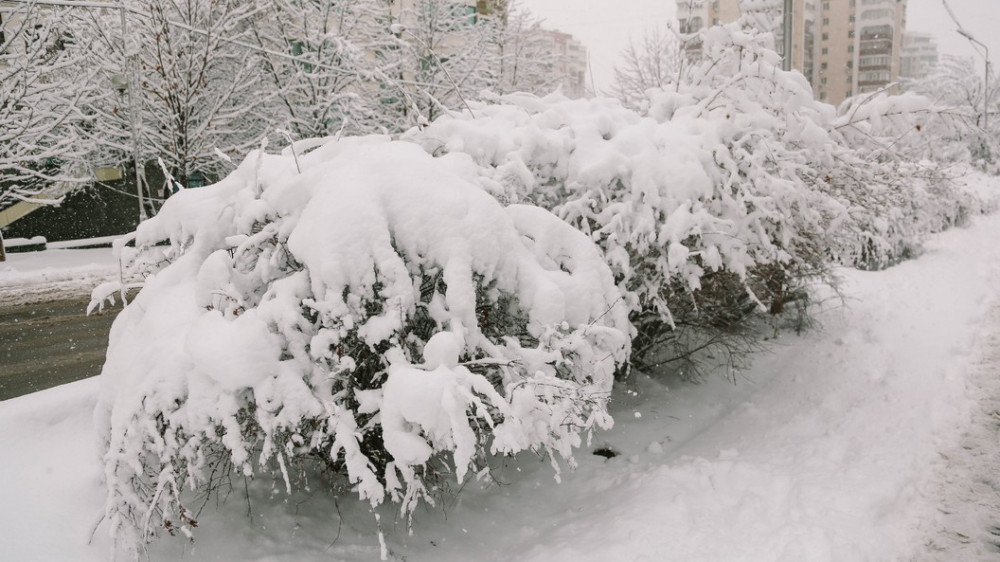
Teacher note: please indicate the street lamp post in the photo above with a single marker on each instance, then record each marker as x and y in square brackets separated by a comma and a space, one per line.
[986, 57]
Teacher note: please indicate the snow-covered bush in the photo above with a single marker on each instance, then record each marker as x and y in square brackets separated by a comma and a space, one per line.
[957, 83]
[706, 208]
[729, 195]
[362, 304]
[892, 174]
[870, 164]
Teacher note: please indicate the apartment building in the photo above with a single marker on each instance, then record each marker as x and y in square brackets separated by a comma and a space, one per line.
[569, 65]
[878, 43]
[920, 55]
[834, 79]
[843, 47]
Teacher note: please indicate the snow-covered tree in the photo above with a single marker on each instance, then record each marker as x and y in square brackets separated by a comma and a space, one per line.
[42, 93]
[338, 77]
[198, 91]
[453, 51]
[370, 66]
[392, 324]
[957, 83]
[653, 62]
[526, 59]
[445, 57]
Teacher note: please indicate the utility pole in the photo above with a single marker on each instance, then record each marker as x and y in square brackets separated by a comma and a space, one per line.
[132, 76]
[786, 36]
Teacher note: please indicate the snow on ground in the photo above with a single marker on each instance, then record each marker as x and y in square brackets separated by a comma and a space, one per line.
[965, 525]
[35, 276]
[870, 440]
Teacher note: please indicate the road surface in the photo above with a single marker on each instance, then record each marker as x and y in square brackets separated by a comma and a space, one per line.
[50, 343]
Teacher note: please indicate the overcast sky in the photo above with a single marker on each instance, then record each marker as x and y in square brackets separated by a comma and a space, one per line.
[605, 25]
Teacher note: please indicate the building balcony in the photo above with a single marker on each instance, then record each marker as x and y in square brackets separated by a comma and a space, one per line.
[875, 68]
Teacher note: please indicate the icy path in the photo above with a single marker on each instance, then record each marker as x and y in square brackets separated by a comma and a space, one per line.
[869, 441]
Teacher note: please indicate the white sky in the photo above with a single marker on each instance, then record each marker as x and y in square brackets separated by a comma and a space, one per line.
[605, 25]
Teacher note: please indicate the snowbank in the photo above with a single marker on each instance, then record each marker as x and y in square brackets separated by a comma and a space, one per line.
[38, 276]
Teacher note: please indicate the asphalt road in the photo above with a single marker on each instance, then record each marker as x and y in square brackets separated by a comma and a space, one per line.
[50, 343]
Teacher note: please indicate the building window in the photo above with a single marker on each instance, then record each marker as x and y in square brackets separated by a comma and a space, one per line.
[823, 66]
[822, 80]
[692, 25]
[850, 48]
[826, 36]
[826, 21]
[874, 76]
[826, 6]
[875, 14]
[874, 60]
[826, 51]
[850, 34]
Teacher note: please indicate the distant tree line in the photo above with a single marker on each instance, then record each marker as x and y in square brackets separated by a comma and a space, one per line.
[210, 80]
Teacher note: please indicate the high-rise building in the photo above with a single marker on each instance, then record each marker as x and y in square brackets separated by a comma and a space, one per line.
[920, 55]
[843, 47]
[569, 63]
[878, 43]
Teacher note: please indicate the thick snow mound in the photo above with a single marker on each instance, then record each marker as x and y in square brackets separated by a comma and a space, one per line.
[361, 303]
